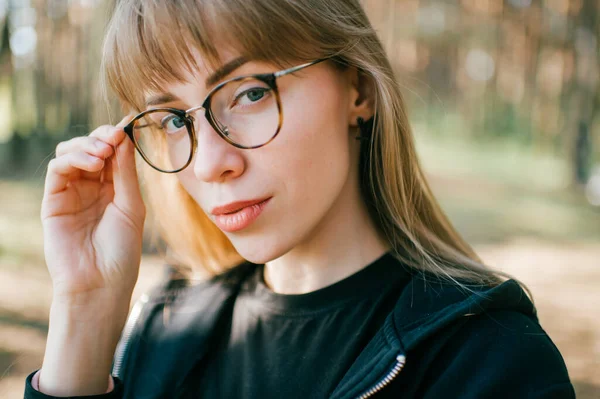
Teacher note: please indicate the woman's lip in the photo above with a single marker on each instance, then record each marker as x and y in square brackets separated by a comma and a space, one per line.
[241, 219]
[235, 206]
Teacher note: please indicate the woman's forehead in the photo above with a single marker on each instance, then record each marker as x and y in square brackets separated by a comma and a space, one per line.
[197, 81]
[203, 71]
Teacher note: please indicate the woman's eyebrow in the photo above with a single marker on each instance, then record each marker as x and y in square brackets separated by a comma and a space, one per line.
[214, 77]
[161, 99]
[225, 70]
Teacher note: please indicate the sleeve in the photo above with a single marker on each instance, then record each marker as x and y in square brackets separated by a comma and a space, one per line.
[498, 355]
[114, 391]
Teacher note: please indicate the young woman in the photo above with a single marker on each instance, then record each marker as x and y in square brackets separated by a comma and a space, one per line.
[312, 258]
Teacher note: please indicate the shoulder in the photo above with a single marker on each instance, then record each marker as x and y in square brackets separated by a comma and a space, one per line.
[176, 306]
[499, 353]
[475, 341]
[508, 335]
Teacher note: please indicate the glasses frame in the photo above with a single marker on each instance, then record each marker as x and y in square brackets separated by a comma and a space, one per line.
[187, 115]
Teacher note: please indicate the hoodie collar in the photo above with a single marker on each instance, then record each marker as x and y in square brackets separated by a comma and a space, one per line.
[425, 307]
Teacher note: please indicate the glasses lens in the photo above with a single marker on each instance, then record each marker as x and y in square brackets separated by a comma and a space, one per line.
[164, 140]
[246, 111]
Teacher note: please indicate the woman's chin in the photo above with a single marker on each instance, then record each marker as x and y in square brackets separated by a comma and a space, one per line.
[259, 252]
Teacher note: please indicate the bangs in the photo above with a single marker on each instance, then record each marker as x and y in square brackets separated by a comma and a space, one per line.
[150, 44]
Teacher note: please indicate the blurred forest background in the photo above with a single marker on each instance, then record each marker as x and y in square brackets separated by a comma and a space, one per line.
[505, 105]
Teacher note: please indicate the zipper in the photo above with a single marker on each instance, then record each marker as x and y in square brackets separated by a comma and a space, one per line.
[136, 311]
[398, 366]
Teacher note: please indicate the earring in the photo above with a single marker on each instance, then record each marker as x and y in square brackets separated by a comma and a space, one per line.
[365, 129]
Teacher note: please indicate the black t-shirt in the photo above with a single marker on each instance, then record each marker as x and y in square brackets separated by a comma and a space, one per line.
[297, 346]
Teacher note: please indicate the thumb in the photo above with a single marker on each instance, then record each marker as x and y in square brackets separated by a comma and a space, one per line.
[128, 196]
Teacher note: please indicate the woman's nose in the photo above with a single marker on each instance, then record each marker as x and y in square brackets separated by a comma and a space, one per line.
[215, 160]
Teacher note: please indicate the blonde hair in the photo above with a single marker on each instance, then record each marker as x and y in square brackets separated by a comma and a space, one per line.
[151, 42]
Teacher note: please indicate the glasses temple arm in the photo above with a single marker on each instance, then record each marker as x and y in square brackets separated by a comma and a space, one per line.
[297, 68]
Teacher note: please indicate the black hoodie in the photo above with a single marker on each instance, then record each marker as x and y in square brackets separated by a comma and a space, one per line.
[440, 341]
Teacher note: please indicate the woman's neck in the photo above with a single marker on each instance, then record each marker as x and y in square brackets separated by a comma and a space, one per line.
[344, 242]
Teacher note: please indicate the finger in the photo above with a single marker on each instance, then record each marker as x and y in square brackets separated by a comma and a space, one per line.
[63, 169]
[113, 136]
[124, 173]
[109, 132]
[95, 145]
[126, 119]
[125, 179]
[91, 145]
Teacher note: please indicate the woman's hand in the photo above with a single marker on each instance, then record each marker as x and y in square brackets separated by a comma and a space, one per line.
[93, 217]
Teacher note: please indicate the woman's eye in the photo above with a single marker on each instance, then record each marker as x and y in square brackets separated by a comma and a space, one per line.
[250, 96]
[172, 124]
[255, 94]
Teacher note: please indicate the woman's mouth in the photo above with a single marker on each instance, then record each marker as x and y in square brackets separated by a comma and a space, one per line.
[240, 219]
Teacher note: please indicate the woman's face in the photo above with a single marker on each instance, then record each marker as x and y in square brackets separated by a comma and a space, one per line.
[303, 172]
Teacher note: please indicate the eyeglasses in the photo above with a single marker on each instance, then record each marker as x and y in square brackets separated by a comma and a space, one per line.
[245, 111]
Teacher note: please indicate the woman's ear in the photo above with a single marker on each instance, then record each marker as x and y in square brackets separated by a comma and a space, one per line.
[362, 97]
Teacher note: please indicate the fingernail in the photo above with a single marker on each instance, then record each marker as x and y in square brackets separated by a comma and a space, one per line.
[124, 121]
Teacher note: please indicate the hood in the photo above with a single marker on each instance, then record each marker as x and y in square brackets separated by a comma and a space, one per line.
[427, 306]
